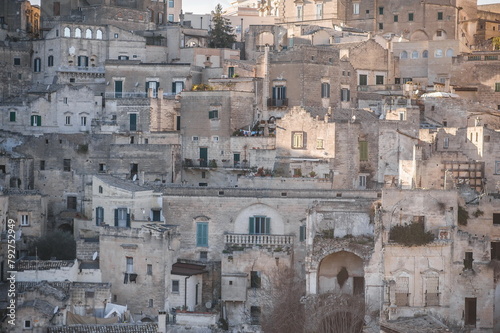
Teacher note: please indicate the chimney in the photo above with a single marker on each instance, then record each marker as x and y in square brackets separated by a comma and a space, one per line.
[162, 322]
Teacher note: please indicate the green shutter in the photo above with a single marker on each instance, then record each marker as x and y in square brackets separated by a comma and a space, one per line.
[39, 122]
[32, 120]
[202, 234]
[128, 220]
[12, 116]
[116, 217]
[173, 87]
[251, 225]
[268, 226]
[302, 233]
[133, 121]
[363, 150]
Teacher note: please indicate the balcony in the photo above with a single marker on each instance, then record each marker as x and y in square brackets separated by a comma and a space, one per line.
[277, 102]
[81, 69]
[380, 87]
[249, 240]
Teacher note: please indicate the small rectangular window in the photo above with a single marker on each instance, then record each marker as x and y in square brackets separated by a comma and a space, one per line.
[255, 279]
[355, 8]
[17, 61]
[496, 218]
[362, 182]
[440, 16]
[325, 90]
[203, 255]
[71, 203]
[202, 234]
[363, 150]
[130, 264]
[396, 18]
[302, 233]
[150, 303]
[381, 26]
[379, 79]
[102, 167]
[468, 260]
[175, 286]
[497, 87]
[27, 324]
[319, 144]
[66, 165]
[381, 10]
[213, 114]
[25, 220]
[446, 143]
[42, 165]
[298, 140]
[410, 17]
[149, 269]
[363, 79]
[68, 120]
[495, 250]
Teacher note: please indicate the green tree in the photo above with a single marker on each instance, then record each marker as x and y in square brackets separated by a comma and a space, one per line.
[57, 244]
[221, 35]
[496, 43]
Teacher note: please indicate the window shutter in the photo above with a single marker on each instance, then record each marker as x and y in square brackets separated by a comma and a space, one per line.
[363, 150]
[128, 220]
[173, 87]
[302, 233]
[116, 217]
[251, 225]
[39, 122]
[348, 95]
[198, 234]
[268, 225]
[274, 92]
[32, 120]
[284, 93]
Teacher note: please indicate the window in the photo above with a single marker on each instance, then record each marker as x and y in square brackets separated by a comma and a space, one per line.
[202, 234]
[37, 65]
[299, 13]
[101, 189]
[130, 264]
[255, 315]
[27, 324]
[438, 53]
[345, 95]
[122, 218]
[66, 165]
[468, 260]
[381, 10]
[363, 150]
[78, 33]
[410, 17]
[132, 121]
[149, 269]
[355, 8]
[12, 116]
[195, 138]
[115, 35]
[431, 291]
[98, 34]
[150, 303]
[171, 17]
[213, 114]
[325, 90]
[320, 144]
[446, 143]
[259, 225]
[402, 291]
[425, 54]
[203, 255]
[83, 121]
[83, 61]
[298, 140]
[175, 286]
[279, 95]
[17, 61]
[67, 32]
[42, 165]
[171, 3]
[496, 216]
[99, 216]
[178, 86]
[379, 79]
[123, 57]
[440, 16]
[25, 220]
[414, 55]
[302, 233]
[255, 279]
[402, 115]
[71, 203]
[319, 10]
[50, 61]
[396, 18]
[362, 181]
[230, 72]
[363, 79]
[156, 214]
[497, 86]
[36, 120]
[381, 26]
[102, 167]
[88, 33]
[403, 55]
[495, 250]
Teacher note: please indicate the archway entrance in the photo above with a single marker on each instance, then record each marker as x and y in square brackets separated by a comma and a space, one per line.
[341, 272]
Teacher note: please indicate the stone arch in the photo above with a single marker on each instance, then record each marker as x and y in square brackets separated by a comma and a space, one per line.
[66, 227]
[341, 271]
[419, 35]
[265, 37]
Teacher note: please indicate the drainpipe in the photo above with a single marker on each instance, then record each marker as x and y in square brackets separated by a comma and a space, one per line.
[185, 291]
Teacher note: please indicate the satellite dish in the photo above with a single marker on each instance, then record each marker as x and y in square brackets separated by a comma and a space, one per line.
[208, 305]
[94, 256]
[56, 309]
[134, 178]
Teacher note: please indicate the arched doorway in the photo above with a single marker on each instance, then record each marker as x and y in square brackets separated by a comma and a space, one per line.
[66, 227]
[341, 272]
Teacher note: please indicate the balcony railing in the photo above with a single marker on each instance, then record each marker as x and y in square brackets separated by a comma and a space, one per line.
[82, 69]
[380, 87]
[134, 94]
[277, 102]
[265, 240]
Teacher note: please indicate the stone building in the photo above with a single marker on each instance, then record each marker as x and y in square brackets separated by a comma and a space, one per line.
[138, 263]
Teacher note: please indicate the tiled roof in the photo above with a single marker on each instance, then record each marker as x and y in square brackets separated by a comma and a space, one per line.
[122, 183]
[31, 265]
[40, 305]
[115, 328]
[58, 290]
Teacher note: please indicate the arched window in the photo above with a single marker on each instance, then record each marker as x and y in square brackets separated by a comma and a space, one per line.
[414, 55]
[88, 33]
[449, 53]
[67, 32]
[98, 34]
[425, 54]
[37, 65]
[50, 61]
[403, 55]
[438, 53]
[78, 33]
